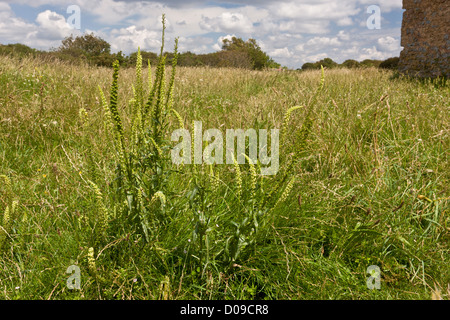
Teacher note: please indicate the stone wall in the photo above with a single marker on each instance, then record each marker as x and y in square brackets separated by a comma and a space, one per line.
[425, 38]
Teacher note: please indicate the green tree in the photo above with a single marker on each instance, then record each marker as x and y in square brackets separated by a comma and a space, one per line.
[88, 47]
[18, 49]
[119, 56]
[370, 63]
[188, 59]
[391, 63]
[309, 66]
[146, 56]
[258, 58]
[350, 63]
[234, 59]
[327, 63]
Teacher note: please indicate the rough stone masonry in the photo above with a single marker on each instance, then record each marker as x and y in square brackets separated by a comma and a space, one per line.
[425, 38]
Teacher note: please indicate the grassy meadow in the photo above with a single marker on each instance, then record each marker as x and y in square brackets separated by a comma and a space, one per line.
[363, 180]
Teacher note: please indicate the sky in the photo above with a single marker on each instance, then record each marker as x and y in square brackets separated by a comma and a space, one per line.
[292, 32]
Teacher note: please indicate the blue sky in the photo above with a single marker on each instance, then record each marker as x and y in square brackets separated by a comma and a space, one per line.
[292, 32]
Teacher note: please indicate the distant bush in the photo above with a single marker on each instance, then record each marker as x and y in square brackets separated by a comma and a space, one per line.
[234, 59]
[370, 63]
[146, 56]
[18, 49]
[391, 63]
[350, 63]
[326, 63]
[224, 58]
[309, 66]
[188, 59]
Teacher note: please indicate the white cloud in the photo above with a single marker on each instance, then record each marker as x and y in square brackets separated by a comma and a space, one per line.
[52, 26]
[346, 21]
[12, 29]
[281, 53]
[385, 5]
[38, 3]
[5, 10]
[372, 53]
[218, 45]
[321, 42]
[343, 36]
[300, 47]
[48, 31]
[316, 9]
[130, 38]
[294, 26]
[196, 45]
[389, 44]
[316, 57]
[227, 22]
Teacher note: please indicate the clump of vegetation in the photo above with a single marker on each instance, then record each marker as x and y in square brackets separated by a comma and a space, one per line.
[259, 59]
[88, 48]
[141, 163]
[350, 64]
[18, 50]
[141, 192]
[391, 63]
[327, 63]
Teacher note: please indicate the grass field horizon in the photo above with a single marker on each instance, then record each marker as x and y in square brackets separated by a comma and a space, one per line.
[366, 186]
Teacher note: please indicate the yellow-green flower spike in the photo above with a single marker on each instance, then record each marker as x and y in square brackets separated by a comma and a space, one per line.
[253, 177]
[101, 209]
[91, 261]
[286, 192]
[238, 178]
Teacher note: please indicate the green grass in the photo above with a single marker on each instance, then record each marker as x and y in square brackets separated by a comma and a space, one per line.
[377, 144]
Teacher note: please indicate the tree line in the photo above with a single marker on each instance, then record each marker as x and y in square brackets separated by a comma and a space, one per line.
[235, 53]
[94, 50]
[390, 63]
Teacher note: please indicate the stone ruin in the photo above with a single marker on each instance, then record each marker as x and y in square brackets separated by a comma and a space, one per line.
[425, 38]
